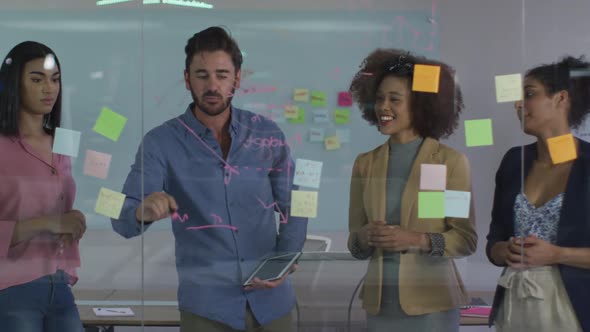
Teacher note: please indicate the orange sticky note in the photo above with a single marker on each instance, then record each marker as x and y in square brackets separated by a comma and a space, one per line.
[562, 148]
[426, 78]
[332, 143]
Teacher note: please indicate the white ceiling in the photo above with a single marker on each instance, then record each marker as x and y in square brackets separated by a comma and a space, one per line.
[225, 4]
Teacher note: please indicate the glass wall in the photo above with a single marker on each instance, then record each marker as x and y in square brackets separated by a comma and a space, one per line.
[384, 170]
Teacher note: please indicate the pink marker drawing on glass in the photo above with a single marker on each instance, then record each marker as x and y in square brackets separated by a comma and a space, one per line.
[297, 138]
[401, 24]
[177, 217]
[257, 88]
[256, 118]
[216, 219]
[228, 168]
[196, 228]
[274, 204]
[335, 75]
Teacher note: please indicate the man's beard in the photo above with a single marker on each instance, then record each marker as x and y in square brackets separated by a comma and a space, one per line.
[213, 111]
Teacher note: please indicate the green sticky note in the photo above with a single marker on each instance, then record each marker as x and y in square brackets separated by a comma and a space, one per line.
[431, 204]
[300, 119]
[479, 132]
[341, 116]
[318, 98]
[109, 203]
[110, 124]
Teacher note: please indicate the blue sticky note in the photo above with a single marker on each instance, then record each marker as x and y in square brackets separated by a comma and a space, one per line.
[66, 142]
[457, 203]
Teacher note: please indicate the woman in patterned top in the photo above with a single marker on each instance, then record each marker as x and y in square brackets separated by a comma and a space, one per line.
[541, 232]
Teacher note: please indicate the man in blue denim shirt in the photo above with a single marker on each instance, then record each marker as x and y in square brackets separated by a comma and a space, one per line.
[213, 172]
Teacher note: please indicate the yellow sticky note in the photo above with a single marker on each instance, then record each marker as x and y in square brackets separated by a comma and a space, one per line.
[426, 78]
[508, 88]
[301, 95]
[109, 203]
[562, 148]
[291, 112]
[304, 203]
[110, 124]
[332, 142]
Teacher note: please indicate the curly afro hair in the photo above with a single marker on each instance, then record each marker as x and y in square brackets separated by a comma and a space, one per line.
[434, 115]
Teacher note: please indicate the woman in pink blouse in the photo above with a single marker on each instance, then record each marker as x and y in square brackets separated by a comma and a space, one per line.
[39, 231]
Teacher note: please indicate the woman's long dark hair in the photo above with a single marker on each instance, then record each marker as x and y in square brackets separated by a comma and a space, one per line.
[11, 72]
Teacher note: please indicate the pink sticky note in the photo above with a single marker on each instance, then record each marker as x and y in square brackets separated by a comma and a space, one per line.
[479, 311]
[433, 177]
[344, 98]
[97, 164]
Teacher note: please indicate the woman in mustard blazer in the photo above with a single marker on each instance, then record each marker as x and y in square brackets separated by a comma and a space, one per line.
[412, 283]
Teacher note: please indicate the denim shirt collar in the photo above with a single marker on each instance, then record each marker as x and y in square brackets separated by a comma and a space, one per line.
[200, 129]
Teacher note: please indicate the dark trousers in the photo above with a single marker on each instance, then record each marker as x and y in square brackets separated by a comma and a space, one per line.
[42, 305]
[193, 323]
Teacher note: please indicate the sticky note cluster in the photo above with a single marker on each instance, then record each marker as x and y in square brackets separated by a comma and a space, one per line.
[440, 202]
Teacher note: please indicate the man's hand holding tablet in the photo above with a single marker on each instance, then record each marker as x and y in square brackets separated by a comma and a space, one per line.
[272, 271]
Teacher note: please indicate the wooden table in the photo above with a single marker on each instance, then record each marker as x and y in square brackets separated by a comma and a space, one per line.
[160, 308]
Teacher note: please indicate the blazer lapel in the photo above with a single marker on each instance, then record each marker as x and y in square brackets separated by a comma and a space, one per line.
[375, 192]
[410, 195]
[377, 184]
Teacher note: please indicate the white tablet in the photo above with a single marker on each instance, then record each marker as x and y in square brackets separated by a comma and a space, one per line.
[274, 268]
